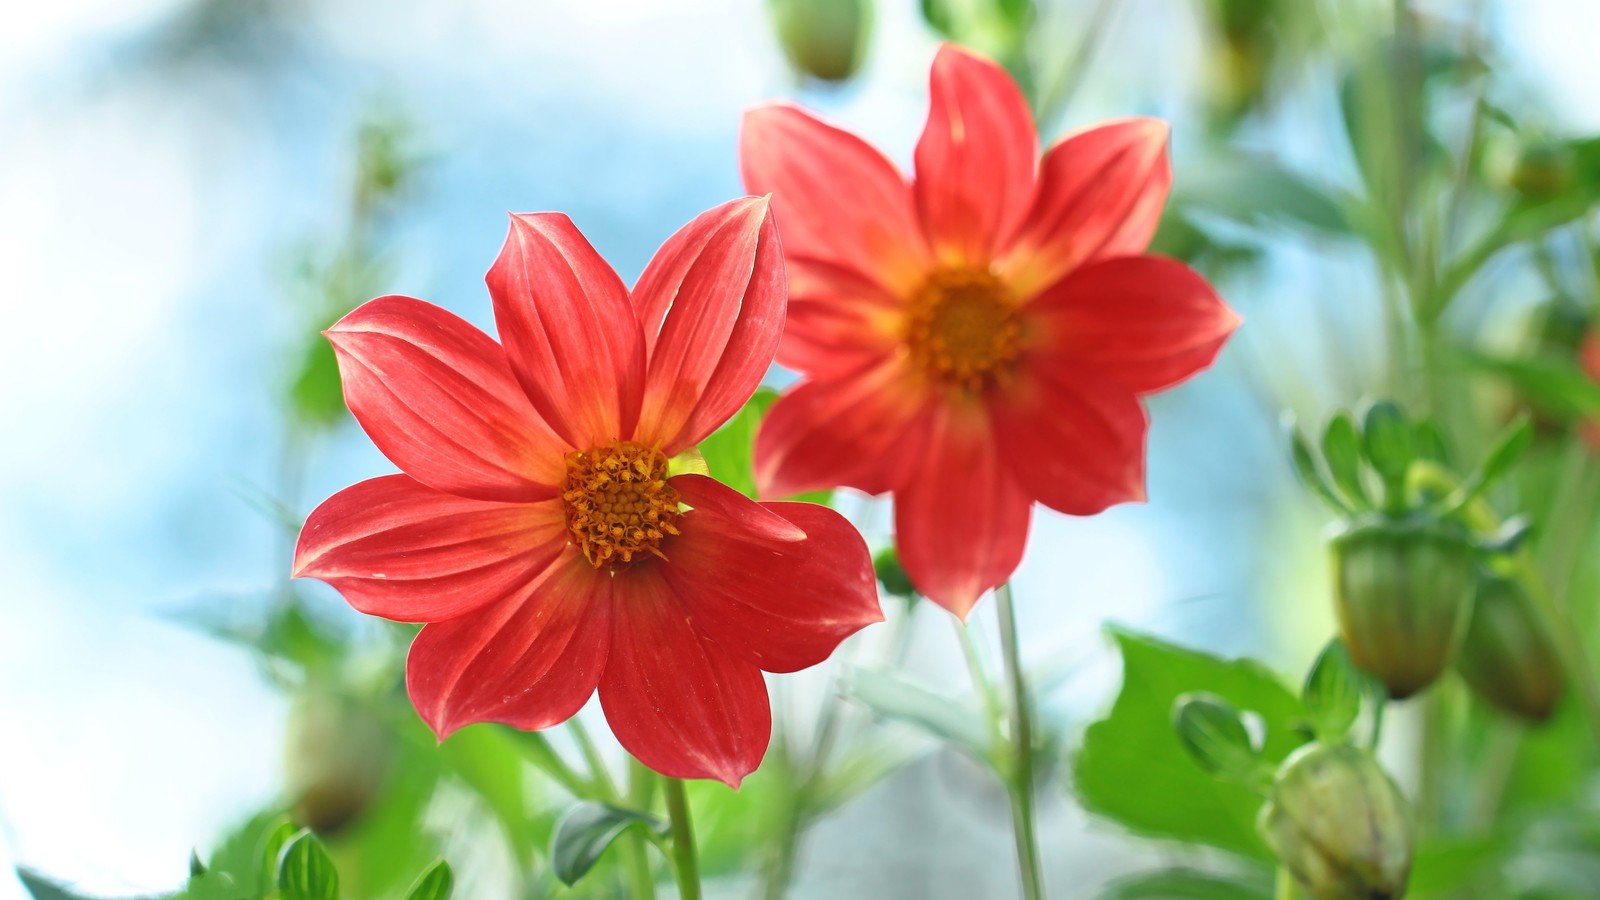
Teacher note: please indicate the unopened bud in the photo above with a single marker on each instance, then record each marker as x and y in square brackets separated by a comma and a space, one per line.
[336, 760]
[1337, 822]
[1506, 657]
[825, 39]
[1403, 591]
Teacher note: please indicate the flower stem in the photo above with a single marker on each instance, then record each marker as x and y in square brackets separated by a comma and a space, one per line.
[1285, 888]
[980, 680]
[1020, 772]
[636, 855]
[683, 852]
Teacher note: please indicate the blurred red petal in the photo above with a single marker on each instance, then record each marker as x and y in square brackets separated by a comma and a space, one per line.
[711, 304]
[962, 520]
[1146, 321]
[863, 429]
[975, 160]
[569, 330]
[530, 661]
[398, 549]
[680, 703]
[734, 510]
[836, 198]
[838, 321]
[782, 605]
[1073, 438]
[438, 398]
[1100, 194]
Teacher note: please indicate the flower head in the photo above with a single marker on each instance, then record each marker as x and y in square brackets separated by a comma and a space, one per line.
[537, 528]
[977, 338]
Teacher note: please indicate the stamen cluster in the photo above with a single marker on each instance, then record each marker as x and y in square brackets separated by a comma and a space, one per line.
[618, 502]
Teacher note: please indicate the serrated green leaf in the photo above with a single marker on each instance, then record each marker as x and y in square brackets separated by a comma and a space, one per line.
[1341, 448]
[584, 833]
[305, 871]
[1390, 444]
[958, 723]
[1186, 884]
[435, 883]
[1332, 693]
[1214, 735]
[1134, 770]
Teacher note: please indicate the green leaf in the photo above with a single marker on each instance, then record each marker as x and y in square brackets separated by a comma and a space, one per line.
[1341, 447]
[1134, 770]
[436, 883]
[585, 832]
[42, 888]
[937, 14]
[892, 575]
[953, 721]
[272, 850]
[1186, 884]
[1333, 692]
[1257, 190]
[1390, 445]
[1215, 736]
[1510, 449]
[305, 871]
[1310, 474]
[1554, 384]
[1431, 443]
[730, 450]
[317, 394]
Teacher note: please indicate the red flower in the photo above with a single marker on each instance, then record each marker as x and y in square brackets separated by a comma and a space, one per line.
[976, 339]
[537, 528]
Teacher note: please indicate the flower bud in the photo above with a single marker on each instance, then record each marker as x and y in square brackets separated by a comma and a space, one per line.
[825, 39]
[1403, 592]
[1506, 658]
[1542, 170]
[336, 760]
[1339, 824]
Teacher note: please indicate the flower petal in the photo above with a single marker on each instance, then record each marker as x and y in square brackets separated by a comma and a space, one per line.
[752, 519]
[438, 398]
[961, 522]
[711, 303]
[1074, 438]
[837, 199]
[680, 703]
[838, 321]
[404, 551]
[569, 330]
[858, 429]
[782, 605]
[975, 160]
[1100, 194]
[530, 661]
[1146, 321]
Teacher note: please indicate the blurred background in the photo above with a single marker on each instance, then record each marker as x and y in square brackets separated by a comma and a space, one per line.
[190, 190]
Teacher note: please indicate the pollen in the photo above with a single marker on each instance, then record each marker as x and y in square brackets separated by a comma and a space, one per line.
[619, 505]
[963, 329]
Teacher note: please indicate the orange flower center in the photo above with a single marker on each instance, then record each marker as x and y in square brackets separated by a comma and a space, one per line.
[963, 328]
[619, 505]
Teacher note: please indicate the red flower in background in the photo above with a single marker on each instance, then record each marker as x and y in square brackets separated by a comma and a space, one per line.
[536, 527]
[976, 339]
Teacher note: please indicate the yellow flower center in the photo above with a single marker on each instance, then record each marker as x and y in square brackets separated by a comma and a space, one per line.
[963, 328]
[619, 505]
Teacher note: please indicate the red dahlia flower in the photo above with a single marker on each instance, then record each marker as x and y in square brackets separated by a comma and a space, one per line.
[976, 339]
[538, 529]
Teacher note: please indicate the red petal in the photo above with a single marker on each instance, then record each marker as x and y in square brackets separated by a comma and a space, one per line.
[437, 397]
[1100, 194]
[975, 161]
[530, 661]
[680, 703]
[961, 523]
[1071, 436]
[1146, 321]
[837, 199]
[783, 606]
[398, 549]
[862, 429]
[838, 321]
[711, 304]
[723, 503]
[569, 330]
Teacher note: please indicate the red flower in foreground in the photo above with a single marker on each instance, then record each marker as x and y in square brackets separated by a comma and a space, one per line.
[537, 528]
[977, 339]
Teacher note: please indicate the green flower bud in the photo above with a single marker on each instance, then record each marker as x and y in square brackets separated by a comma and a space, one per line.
[336, 760]
[825, 39]
[1403, 592]
[1506, 658]
[1339, 824]
[1542, 170]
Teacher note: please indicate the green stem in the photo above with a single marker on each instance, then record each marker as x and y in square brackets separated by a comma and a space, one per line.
[684, 861]
[545, 758]
[1021, 771]
[635, 852]
[598, 772]
[1285, 888]
[980, 679]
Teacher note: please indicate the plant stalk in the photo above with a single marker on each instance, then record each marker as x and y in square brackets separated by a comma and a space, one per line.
[1020, 772]
[684, 861]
